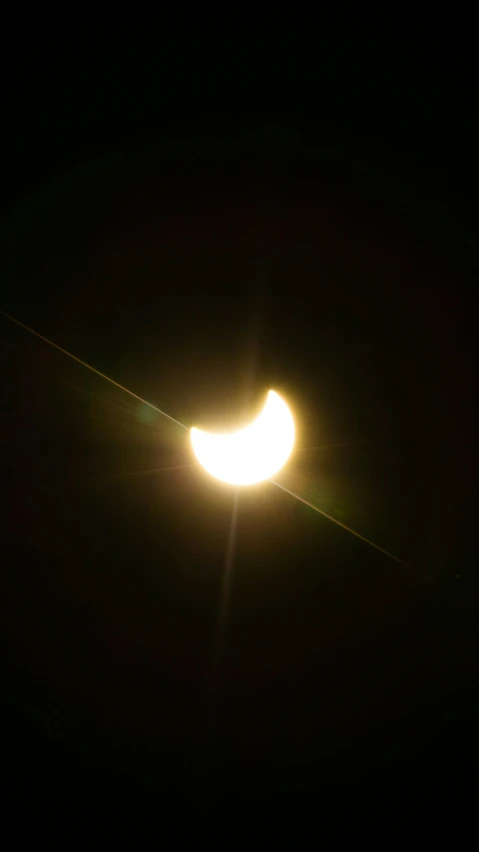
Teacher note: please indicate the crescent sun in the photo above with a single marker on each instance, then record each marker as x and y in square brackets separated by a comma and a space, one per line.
[252, 454]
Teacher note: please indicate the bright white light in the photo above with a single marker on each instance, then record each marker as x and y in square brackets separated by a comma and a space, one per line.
[252, 454]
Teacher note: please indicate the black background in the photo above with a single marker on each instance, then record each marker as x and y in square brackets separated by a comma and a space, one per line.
[200, 228]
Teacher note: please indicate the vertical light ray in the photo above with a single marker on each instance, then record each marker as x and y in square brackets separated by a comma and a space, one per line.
[219, 637]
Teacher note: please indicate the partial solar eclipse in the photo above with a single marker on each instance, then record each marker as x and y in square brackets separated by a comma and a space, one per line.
[242, 458]
[253, 454]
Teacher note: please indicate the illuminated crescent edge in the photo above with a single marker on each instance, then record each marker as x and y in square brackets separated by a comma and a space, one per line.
[252, 454]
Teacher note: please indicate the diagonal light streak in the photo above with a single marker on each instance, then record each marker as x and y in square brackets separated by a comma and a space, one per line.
[89, 367]
[353, 532]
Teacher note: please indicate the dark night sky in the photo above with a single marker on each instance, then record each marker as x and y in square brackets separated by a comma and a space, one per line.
[308, 224]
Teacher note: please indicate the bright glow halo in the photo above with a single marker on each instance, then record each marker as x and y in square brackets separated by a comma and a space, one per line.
[252, 454]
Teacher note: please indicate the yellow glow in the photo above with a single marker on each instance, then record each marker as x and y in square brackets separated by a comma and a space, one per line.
[252, 454]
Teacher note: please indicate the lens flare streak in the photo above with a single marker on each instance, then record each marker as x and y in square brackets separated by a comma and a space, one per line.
[89, 367]
[349, 530]
[227, 579]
